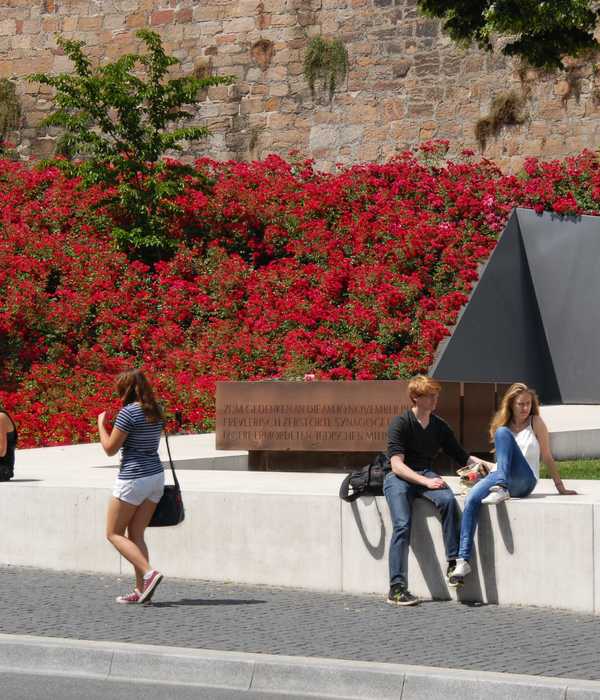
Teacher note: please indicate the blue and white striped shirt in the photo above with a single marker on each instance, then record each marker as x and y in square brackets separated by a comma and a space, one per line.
[139, 454]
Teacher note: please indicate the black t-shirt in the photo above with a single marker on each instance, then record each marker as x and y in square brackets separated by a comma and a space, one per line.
[419, 445]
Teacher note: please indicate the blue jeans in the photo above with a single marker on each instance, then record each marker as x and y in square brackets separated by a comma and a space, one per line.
[400, 495]
[513, 473]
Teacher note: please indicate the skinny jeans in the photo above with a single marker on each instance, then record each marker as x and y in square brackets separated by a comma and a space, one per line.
[513, 473]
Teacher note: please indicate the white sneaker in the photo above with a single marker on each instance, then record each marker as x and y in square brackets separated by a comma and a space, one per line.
[497, 495]
[462, 568]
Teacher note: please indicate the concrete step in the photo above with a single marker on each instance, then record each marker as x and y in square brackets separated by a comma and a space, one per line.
[292, 530]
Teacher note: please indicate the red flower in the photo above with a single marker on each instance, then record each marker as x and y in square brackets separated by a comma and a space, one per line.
[279, 271]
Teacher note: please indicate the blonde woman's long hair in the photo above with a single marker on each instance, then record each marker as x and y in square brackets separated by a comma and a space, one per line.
[505, 414]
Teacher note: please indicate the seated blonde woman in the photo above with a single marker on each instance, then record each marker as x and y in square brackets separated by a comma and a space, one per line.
[520, 439]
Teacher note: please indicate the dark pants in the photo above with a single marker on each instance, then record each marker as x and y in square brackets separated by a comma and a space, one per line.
[400, 495]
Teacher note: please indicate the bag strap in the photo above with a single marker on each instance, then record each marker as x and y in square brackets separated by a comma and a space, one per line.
[171, 460]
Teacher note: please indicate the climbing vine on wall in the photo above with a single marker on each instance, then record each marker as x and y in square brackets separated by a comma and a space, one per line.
[508, 109]
[10, 108]
[325, 62]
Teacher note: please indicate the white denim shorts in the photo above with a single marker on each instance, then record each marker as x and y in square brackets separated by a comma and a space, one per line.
[136, 491]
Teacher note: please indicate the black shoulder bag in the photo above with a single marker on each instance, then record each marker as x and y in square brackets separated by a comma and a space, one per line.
[366, 482]
[169, 510]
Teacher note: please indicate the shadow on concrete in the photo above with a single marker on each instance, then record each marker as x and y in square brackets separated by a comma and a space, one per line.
[478, 589]
[425, 553]
[426, 556]
[472, 591]
[377, 550]
[184, 602]
[504, 527]
[486, 552]
[473, 603]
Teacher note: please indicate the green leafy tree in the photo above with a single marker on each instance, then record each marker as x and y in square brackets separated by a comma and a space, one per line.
[542, 32]
[118, 120]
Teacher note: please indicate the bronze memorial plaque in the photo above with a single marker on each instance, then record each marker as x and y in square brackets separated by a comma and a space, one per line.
[307, 416]
[479, 405]
[316, 416]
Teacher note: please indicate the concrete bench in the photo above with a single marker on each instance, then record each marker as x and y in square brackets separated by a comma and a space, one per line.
[292, 530]
[534, 551]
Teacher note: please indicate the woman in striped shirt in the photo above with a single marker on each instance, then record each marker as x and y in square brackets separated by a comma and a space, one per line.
[141, 479]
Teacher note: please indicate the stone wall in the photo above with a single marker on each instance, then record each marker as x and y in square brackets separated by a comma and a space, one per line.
[406, 82]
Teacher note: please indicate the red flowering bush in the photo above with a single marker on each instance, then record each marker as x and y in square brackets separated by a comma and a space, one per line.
[278, 270]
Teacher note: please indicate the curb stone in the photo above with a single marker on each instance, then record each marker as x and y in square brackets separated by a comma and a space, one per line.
[358, 680]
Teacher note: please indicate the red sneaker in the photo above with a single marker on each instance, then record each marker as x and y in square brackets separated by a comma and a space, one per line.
[133, 597]
[150, 585]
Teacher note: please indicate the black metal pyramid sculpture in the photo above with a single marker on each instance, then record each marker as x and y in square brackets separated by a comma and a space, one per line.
[534, 315]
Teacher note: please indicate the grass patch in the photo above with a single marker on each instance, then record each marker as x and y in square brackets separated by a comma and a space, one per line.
[576, 469]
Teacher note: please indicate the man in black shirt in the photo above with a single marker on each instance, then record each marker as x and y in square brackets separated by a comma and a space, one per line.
[414, 440]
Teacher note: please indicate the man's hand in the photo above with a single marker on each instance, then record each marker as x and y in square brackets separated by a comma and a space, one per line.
[437, 483]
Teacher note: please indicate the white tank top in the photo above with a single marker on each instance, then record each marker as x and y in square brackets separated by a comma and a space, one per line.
[530, 447]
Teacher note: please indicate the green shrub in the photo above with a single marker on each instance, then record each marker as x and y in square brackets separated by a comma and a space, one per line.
[118, 120]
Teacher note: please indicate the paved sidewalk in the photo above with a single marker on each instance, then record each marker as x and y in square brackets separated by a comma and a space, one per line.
[221, 616]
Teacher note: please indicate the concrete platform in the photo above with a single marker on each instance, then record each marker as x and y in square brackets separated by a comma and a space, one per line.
[188, 451]
[292, 530]
[574, 431]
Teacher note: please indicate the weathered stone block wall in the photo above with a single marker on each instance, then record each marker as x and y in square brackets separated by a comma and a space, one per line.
[406, 83]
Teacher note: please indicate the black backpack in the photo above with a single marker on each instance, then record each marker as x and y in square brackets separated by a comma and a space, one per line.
[366, 482]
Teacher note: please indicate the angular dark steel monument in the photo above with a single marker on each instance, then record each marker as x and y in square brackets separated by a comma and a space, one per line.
[534, 315]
